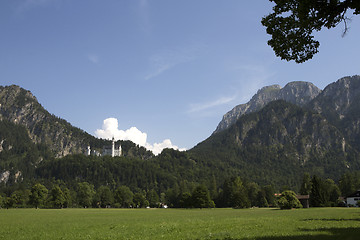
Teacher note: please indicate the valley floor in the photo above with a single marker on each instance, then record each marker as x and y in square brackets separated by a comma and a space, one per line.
[313, 223]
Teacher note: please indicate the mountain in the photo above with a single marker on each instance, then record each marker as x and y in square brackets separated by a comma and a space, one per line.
[339, 103]
[277, 141]
[299, 93]
[19, 156]
[273, 139]
[277, 145]
[21, 107]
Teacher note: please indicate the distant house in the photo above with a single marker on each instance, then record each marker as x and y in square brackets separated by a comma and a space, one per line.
[353, 199]
[304, 200]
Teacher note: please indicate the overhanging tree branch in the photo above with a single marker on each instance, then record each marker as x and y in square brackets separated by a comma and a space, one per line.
[292, 23]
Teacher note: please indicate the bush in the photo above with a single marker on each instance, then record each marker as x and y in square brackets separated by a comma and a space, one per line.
[288, 200]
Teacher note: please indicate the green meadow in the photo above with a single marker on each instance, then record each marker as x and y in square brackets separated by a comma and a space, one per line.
[313, 223]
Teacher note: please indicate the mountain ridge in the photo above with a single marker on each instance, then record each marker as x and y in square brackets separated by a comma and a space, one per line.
[297, 92]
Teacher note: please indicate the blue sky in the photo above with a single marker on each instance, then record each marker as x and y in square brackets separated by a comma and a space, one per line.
[155, 69]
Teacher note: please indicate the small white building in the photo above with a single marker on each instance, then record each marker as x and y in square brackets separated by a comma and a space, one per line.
[112, 150]
[353, 199]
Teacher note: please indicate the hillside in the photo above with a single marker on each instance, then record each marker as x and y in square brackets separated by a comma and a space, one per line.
[19, 156]
[277, 145]
[31, 137]
[19, 106]
[339, 104]
[279, 142]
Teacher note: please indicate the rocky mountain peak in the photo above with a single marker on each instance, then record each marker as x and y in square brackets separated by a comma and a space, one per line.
[20, 106]
[16, 103]
[14, 94]
[299, 93]
[339, 96]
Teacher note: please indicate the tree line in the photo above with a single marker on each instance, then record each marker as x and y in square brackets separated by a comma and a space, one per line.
[235, 192]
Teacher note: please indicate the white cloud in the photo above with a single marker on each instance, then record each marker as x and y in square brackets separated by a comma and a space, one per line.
[110, 129]
[157, 148]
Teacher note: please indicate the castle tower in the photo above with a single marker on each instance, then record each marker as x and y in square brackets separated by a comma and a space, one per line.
[88, 152]
[113, 148]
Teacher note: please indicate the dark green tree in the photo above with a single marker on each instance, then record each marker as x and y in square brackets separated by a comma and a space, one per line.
[140, 200]
[234, 194]
[172, 196]
[105, 196]
[292, 23]
[213, 188]
[333, 192]
[19, 198]
[38, 195]
[349, 183]
[261, 200]
[305, 188]
[269, 193]
[123, 196]
[319, 194]
[153, 198]
[57, 198]
[185, 200]
[253, 191]
[201, 198]
[85, 194]
[67, 197]
[2, 199]
[288, 200]
[8, 202]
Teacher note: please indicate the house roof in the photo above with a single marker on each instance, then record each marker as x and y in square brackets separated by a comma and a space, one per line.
[355, 194]
[302, 197]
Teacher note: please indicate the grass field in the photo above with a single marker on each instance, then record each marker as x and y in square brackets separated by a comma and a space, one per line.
[314, 223]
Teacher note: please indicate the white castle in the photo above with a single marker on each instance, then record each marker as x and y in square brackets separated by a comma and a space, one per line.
[114, 151]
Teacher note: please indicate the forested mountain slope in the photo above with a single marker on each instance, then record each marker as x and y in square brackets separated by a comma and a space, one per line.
[279, 142]
[277, 145]
[19, 106]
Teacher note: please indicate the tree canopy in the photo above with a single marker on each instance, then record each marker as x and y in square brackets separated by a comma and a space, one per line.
[292, 23]
[38, 195]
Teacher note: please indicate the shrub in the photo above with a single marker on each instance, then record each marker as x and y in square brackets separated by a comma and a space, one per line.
[288, 200]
